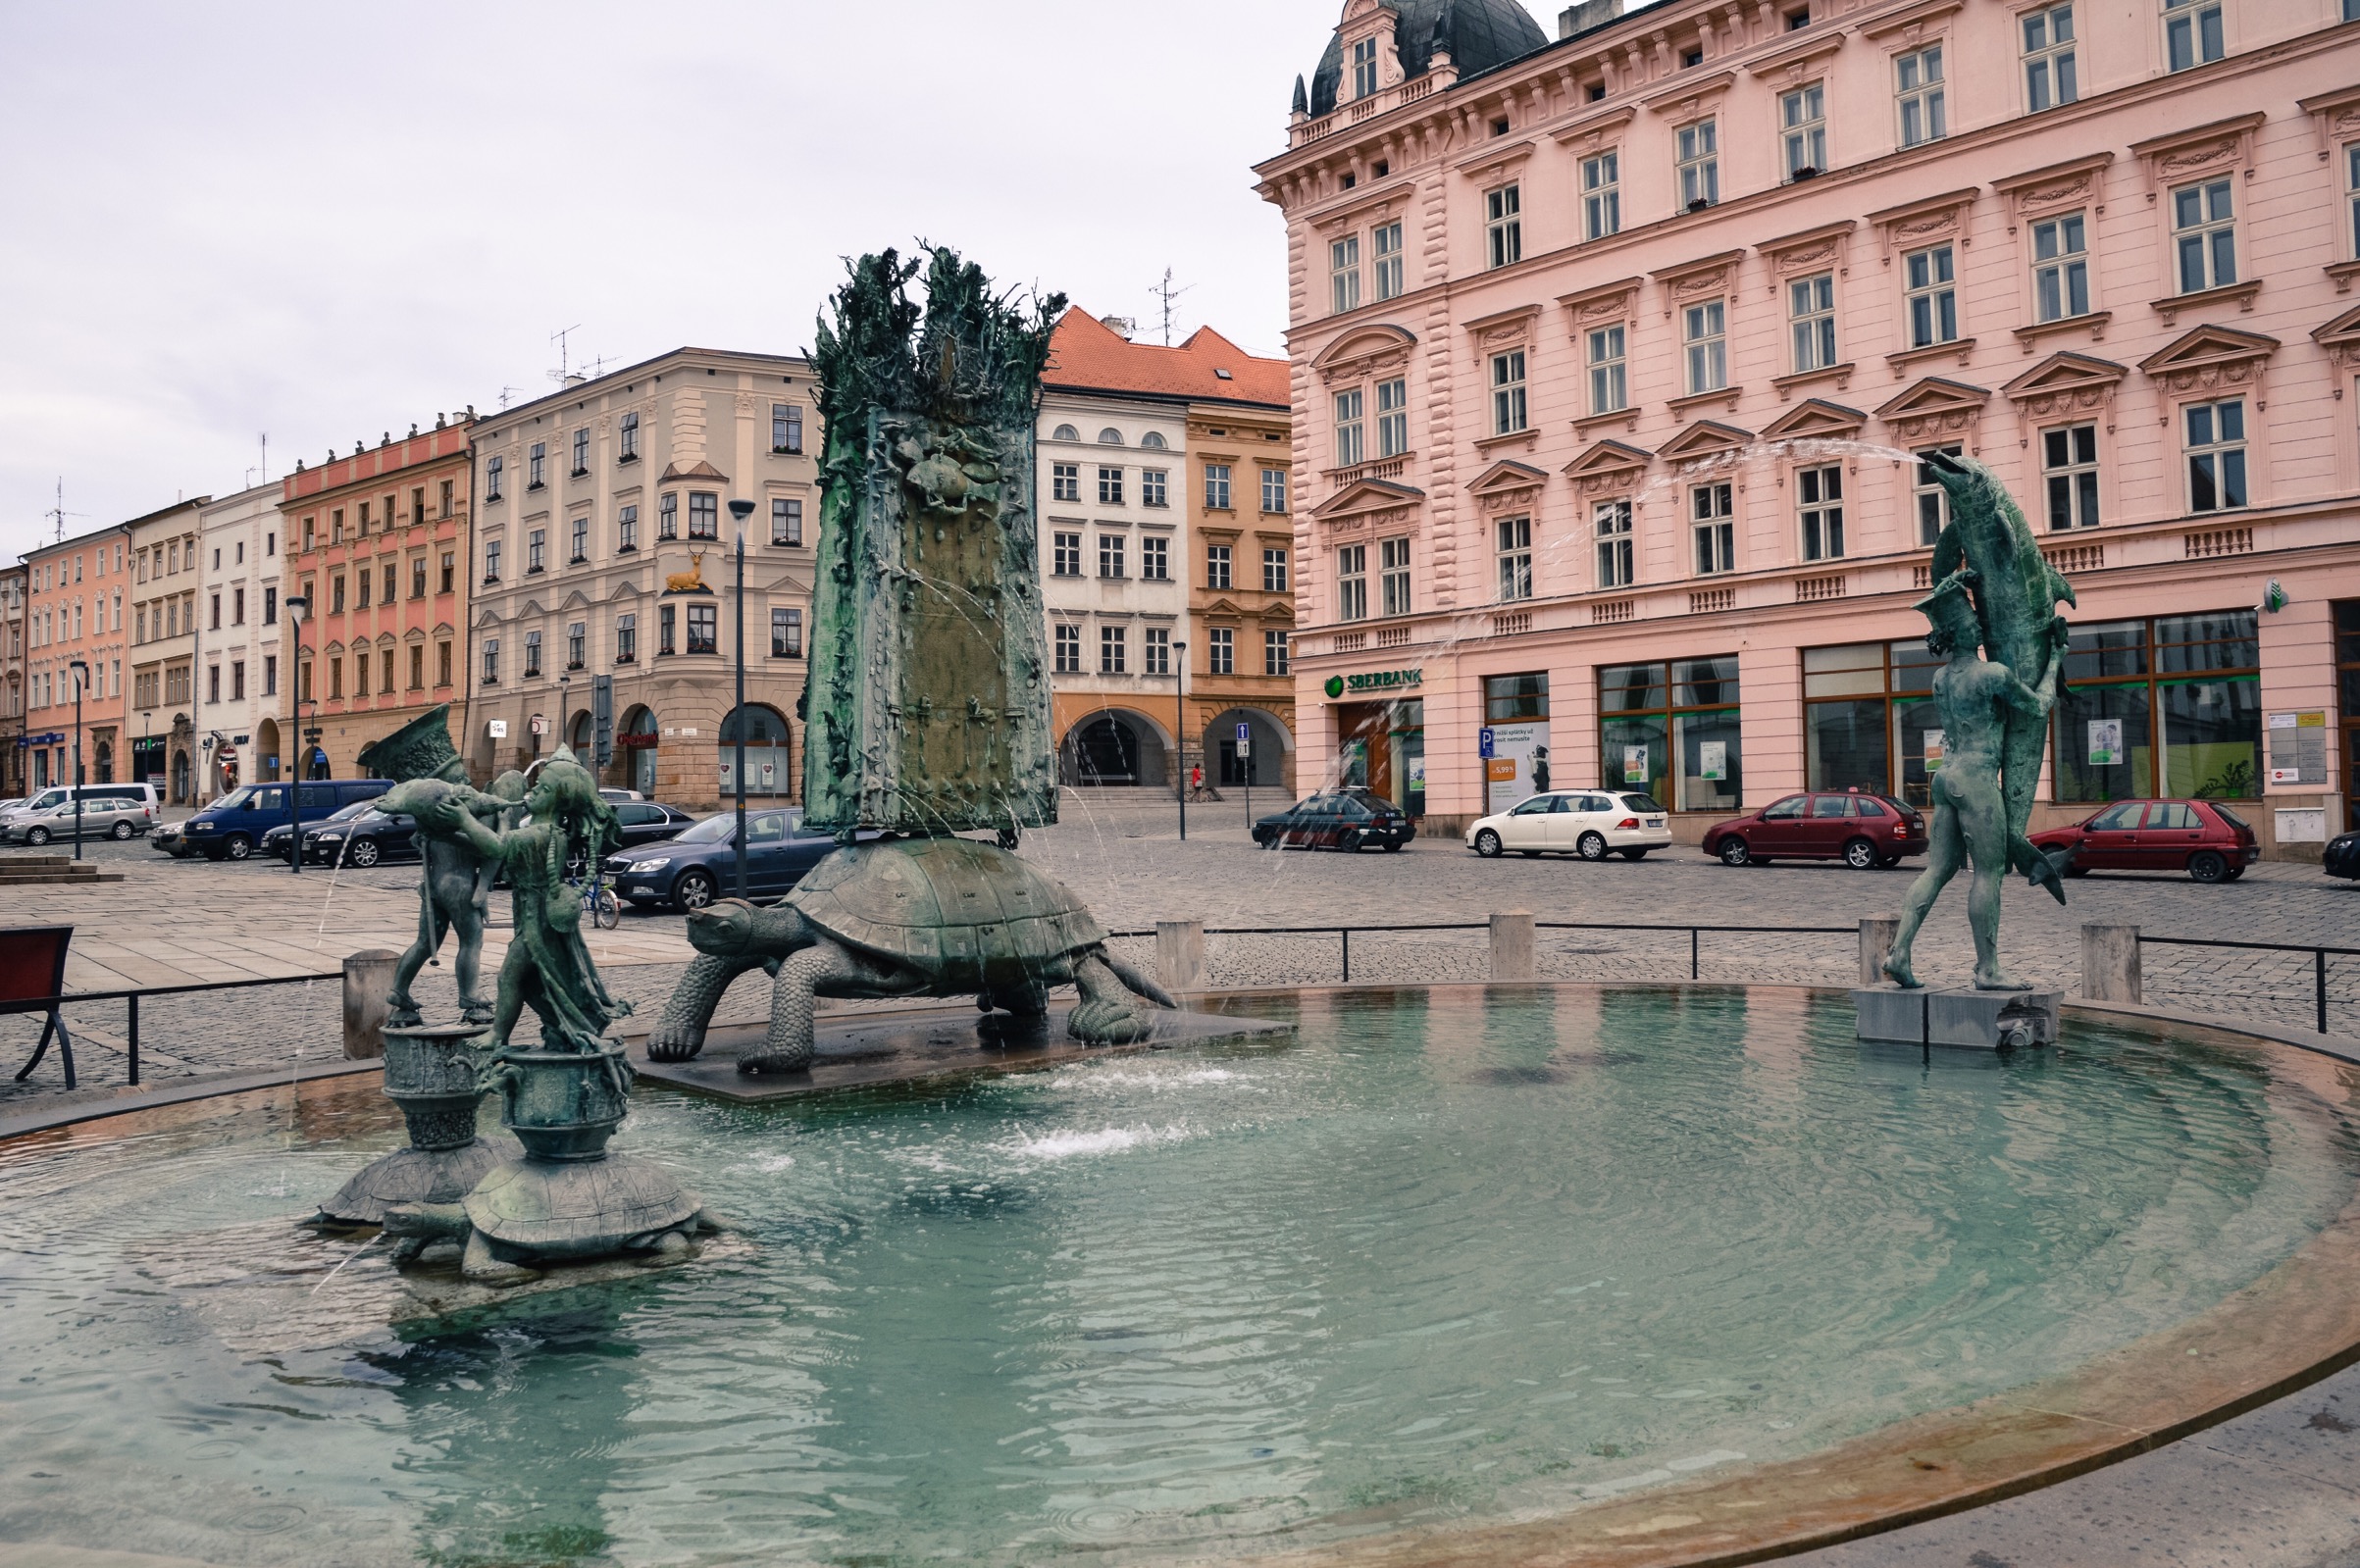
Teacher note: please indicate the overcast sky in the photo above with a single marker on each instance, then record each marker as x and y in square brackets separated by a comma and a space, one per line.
[328, 220]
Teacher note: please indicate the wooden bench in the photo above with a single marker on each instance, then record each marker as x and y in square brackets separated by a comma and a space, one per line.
[32, 977]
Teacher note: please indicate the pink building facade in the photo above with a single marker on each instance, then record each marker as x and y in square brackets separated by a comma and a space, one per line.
[1612, 354]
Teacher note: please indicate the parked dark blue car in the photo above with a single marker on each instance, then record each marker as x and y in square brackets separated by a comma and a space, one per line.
[693, 869]
[232, 827]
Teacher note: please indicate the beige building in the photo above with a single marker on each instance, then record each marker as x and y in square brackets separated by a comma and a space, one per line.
[161, 735]
[12, 680]
[238, 659]
[603, 527]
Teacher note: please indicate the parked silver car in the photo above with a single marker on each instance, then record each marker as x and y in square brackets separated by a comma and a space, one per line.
[108, 811]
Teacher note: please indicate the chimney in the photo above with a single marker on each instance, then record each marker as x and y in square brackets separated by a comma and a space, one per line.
[576, 378]
[1583, 15]
[1121, 327]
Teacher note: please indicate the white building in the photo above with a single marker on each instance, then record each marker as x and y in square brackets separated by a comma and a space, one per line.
[237, 661]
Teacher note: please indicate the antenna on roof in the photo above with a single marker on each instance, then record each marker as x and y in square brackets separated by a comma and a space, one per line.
[1164, 294]
[505, 392]
[564, 371]
[58, 513]
[597, 365]
[265, 469]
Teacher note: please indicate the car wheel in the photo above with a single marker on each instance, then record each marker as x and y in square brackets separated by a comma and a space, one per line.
[1887, 862]
[1487, 844]
[2077, 871]
[36, 837]
[2205, 866]
[1349, 840]
[1392, 847]
[2234, 873]
[122, 830]
[237, 847]
[693, 891]
[1592, 846]
[1860, 854]
[1733, 852]
[363, 853]
[1634, 855]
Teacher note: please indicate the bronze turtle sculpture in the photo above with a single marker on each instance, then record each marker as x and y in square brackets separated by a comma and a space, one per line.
[914, 917]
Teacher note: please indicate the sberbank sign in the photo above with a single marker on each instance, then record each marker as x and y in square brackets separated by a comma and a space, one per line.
[1373, 681]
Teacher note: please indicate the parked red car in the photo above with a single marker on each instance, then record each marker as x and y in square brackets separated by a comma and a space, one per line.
[1860, 829]
[2202, 837]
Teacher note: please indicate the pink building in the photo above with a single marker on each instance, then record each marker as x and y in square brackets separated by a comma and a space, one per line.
[1610, 352]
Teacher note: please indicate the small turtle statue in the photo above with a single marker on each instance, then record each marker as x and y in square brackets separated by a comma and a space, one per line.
[916, 917]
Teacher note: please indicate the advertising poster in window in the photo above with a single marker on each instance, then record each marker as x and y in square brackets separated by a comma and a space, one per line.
[2105, 742]
[1713, 759]
[1518, 765]
[1634, 765]
[1934, 750]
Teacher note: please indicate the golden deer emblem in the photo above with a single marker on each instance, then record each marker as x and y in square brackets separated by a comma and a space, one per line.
[690, 581]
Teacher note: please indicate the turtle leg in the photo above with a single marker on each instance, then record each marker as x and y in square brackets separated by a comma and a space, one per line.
[1026, 1004]
[680, 1033]
[1107, 1014]
[794, 1000]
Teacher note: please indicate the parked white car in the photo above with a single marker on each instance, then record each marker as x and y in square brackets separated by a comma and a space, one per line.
[108, 811]
[1590, 823]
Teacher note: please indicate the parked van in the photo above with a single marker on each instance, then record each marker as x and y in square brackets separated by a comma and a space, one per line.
[108, 811]
[232, 827]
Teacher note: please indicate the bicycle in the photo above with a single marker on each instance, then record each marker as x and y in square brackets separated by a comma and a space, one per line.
[598, 901]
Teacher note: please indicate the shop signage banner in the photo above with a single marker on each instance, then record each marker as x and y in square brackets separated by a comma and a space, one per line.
[1634, 765]
[1518, 765]
[1373, 681]
[2298, 747]
[1933, 749]
[1713, 759]
[2105, 742]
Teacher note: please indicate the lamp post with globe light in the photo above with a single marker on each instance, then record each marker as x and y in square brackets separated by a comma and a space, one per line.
[1180, 731]
[739, 511]
[82, 677]
[296, 604]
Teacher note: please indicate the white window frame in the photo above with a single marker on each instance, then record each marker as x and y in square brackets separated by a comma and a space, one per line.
[1113, 650]
[1696, 148]
[1713, 527]
[1344, 275]
[1930, 502]
[1352, 581]
[1385, 252]
[1221, 567]
[2351, 196]
[1220, 650]
[1352, 447]
[1919, 96]
[1364, 68]
[1929, 285]
[1154, 558]
[2051, 71]
[1274, 491]
[1512, 540]
[1819, 511]
[2194, 34]
[1611, 521]
[2061, 267]
[1393, 574]
[1705, 345]
[1274, 570]
[1502, 226]
[1601, 194]
[1066, 554]
[2068, 478]
[1155, 650]
[1068, 640]
[1509, 410]
[2221, 457]
[1802, 130]
[1216, 487]
[1277, 654]
[1811, 321]
[1607, 352]
[1393, 418]
[2204, 215]
[1114, 557]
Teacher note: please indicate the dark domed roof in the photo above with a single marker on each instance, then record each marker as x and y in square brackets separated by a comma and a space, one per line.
[1479, 33]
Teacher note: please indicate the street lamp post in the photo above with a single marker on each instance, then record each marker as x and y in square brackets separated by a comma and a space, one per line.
[1180, 730]
[81, 676]
[296, 604]
[739, 511]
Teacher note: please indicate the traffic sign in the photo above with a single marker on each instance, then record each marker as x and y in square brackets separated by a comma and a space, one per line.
[1483, 743]
[1244, 731]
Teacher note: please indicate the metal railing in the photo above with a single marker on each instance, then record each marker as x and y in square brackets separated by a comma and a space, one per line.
[130, 1000]
[1345, 933]
[2320, 954]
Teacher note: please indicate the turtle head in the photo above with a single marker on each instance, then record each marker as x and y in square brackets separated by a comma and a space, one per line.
[724, 928]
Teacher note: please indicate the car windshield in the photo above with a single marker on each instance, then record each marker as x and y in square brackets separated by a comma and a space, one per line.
[1367, 799]
[47, 799]
[236, 797]
[348, 813]
[718, 829]
[1640, 803]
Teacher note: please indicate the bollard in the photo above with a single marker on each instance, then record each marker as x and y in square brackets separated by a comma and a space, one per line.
[2109, 963]
[1512, 946]
[368, 990]
[1180, 955]
[1877, 934]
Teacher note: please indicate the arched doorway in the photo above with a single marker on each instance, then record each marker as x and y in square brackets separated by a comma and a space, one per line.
[179, 777]
[581, 735]
[634, 749]
[104, 755]
[767, 770]
[318, 764]
[1115, 747]
[266, 749]
[1261, 763]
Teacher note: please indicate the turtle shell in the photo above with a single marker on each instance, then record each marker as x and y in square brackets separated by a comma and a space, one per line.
[577, 1209]
[955, 908]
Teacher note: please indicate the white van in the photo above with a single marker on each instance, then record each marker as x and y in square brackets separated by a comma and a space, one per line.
[112, 811]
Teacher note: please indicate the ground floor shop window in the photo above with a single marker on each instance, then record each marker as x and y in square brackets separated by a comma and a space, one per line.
[2166, 707]
[1672, 729]
[1869, 719]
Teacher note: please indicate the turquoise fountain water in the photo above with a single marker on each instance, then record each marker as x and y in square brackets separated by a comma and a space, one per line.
[1439, 1258]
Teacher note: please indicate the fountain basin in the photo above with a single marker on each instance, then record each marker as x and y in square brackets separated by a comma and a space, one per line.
[1647, 1274]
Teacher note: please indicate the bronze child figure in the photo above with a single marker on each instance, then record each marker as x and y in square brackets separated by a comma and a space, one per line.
[1975, 698]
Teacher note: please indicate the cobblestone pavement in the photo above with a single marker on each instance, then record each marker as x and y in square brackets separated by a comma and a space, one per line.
[183, 921]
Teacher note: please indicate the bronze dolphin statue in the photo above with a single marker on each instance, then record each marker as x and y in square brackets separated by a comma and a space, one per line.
[2016, 594]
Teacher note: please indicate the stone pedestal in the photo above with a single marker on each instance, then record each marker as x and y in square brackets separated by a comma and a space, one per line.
[1180, 955]
[1877, 934]
[1512, 946]
[2110, 971]
[1992, 1020]
[430, 1074]
[1889, 1013]
[368, 1001]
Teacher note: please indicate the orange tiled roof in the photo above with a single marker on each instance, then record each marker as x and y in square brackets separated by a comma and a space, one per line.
[1085, 352]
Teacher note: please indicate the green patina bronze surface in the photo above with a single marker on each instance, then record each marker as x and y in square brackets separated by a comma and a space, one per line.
[928, 703]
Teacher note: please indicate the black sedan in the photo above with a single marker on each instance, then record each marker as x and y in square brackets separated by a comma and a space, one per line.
[364, 839]
[1337, 818]
[643, 822]
[2342, 857]
[693, 867]
[273, 843]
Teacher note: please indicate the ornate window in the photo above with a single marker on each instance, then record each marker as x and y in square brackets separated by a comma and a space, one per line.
[1392, 561]
[1803, 122]
[1610, 383]
[1350, 447]
[1274, 489]
[1344, 274]
[1216, 566]
[2204, 235]
[1504, 226]
[1515, 536]
[577, 647]
[1704, 332]
[1393, 418]
[1614, 563]
[1601, 195]
[1917, 86]
[1930, 284]
[1819, 492]
[2069, 472]
[1386, 242]
[532, 659]
[1810, 315]
[2216, 454]
[786, 633]
[1711, 515]
[786, 428]
[1351, 582]
[1507, 410]
[1220, 650]
[1364, 68]
[2060, 267]
[581, 457]
[1274, 654]
[2049, 74]
[786, 520]
[627, 444]
[704, 515]
[2191, 32]
[1216, 487]
[1699, 146]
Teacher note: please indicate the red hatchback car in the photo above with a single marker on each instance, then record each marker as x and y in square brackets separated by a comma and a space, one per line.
[1860, 829]
[2202, 837]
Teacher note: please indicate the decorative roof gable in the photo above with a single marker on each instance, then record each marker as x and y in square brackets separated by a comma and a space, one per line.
[1362, 499]
[1933, 407]
[1608, 465]
[1704, 438]
[1507, 480]
[1814, 417]
[2340, 337]
[2066, 383]
[2210, 358]
[1363, 350]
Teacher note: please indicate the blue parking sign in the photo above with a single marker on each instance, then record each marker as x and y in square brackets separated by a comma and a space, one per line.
[1483, 744]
